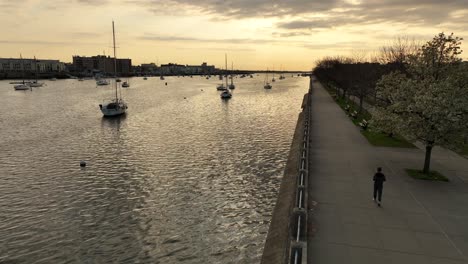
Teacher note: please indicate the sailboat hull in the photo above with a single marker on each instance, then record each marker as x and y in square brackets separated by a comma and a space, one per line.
[113, 108]
[226, 95]
[36, 84]
[102, 82]
[22, 87]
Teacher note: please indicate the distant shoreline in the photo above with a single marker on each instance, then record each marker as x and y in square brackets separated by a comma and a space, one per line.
[18, 76]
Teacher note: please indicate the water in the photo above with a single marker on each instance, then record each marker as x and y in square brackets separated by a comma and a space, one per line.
[184, 177]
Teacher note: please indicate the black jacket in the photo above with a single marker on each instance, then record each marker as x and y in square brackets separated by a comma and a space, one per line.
[379, 178]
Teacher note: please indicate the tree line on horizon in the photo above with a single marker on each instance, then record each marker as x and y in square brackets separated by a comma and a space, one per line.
[418, 91]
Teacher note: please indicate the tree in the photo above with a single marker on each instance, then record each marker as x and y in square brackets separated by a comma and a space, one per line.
[429, 102]
[397, 53]
[350, 74]
[331, 70]
[365, 77]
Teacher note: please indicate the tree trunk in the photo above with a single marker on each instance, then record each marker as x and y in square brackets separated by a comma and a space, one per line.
[427, 160]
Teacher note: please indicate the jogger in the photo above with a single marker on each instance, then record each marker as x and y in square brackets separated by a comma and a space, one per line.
[379, 179]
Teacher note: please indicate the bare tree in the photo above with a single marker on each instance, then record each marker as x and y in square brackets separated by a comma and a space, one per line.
[359, 56]
[398, 52]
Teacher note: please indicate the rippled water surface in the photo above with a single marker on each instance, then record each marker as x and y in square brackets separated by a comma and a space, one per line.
[184, 177]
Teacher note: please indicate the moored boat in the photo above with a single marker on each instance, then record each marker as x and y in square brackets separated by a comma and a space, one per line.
[102, 82]
[116, 106]
[22, 87]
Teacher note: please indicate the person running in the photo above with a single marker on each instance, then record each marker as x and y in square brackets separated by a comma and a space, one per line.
[379, 179]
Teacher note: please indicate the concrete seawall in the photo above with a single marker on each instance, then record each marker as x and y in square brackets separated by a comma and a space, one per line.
[284, 236]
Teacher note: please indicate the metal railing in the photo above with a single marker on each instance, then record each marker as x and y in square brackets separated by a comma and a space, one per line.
[298, 245]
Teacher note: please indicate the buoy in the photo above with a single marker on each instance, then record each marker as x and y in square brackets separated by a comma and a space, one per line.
[82, 163]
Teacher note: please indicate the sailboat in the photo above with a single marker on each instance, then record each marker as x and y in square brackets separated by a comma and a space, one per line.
[102, 82]
[126, 84]
[281, 73]
[35, 83]
[116, 106]
[23, 86]
[266, 84]
[226, 94]
[232, 86]
[221, 87]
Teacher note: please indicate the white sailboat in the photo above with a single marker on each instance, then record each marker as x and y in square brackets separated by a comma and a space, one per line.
[22, 86]
[101, 82]
[35, 83]
[226, 94]
[126, 84]
[116, 106]
[266, 84]
[221, 87]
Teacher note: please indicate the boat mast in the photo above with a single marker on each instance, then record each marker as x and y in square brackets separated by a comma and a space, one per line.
[35, 68]
[115, 62]
[232, 70]
[22, 67]
[225, 62]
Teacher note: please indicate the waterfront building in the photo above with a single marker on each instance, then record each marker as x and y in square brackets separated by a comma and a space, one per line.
[15, 67]
[178, 69]
[207, 69]
[172, 69]
[102, 64]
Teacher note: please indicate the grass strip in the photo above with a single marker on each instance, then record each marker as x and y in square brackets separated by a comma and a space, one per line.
[375, 138]
[431, 176]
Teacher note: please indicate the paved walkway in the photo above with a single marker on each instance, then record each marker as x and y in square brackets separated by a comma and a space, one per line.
[420, 221]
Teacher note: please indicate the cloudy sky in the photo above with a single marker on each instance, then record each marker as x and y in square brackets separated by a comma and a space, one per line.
[255, 34]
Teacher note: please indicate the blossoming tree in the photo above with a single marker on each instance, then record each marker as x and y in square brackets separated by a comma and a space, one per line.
[429, 102]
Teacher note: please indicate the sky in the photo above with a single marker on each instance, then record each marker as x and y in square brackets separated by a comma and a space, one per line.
[255, 34]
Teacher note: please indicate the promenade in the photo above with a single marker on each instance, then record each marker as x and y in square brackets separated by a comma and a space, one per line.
[419, 221]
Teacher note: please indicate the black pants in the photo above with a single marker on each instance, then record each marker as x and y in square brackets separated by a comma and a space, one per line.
[378, 188]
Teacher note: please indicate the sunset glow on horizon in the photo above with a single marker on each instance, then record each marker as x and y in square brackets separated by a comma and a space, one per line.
[256, 34]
